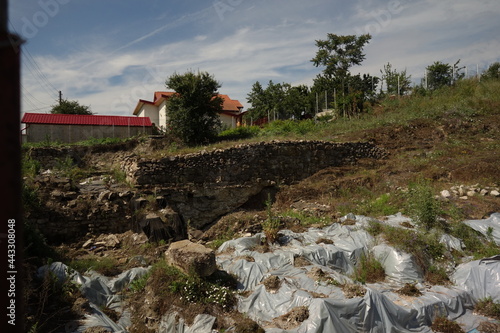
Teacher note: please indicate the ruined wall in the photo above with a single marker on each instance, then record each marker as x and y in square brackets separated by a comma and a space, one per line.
[199, 187]
[204, 186]
[276, 161]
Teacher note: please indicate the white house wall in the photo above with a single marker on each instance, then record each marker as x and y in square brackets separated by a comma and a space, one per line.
[149, 110]
[162, 115]
[227, 121]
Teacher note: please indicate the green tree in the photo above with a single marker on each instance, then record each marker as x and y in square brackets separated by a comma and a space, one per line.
[396, 82]
[440, 74]
[70, 107]
[493, 72]
[193, 113]
[339, 53]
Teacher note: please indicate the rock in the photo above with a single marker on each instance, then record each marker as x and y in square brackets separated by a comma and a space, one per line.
[471, 193]
[495, 193]
[464, 197]
[445, 194]
[191, 258]
[87, 243]
[484, 192]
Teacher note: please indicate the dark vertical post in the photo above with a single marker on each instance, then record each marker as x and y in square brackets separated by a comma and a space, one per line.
[11, 223]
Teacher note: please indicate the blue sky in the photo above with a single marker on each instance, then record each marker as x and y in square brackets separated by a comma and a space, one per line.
[110, 53]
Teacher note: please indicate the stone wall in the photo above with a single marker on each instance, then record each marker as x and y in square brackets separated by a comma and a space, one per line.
[199, 188]
[204, 186]
[277, 161]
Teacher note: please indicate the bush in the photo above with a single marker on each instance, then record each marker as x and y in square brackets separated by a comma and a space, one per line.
[369, 270]
[422, 206]
[271, 225]
[488, 308]
[238, 133]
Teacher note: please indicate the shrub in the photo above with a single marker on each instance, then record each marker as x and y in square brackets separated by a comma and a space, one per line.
[238, 133]
[444, 325]
[272, 224]
[488, 308]
[369, 270]
[422, 205]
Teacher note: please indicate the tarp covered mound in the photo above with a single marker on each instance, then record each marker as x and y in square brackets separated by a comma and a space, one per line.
[335, 250]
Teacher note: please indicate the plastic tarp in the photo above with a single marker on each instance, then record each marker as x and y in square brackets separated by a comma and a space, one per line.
[481, 278]
[170, 323]
[100, 291]
[381, 309]
[492, 224]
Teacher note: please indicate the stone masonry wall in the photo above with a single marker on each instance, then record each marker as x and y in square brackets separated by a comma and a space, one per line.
[283, 161]
[204, 186]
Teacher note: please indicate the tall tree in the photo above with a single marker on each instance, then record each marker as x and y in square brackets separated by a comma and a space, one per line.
[193, 112]
[339, 53]
[396, 82]
[70, 107]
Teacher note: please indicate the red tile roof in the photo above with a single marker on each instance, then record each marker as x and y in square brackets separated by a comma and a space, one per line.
[228, 105]
[70, 119]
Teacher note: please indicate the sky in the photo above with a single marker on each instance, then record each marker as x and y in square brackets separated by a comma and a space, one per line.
[108, 54]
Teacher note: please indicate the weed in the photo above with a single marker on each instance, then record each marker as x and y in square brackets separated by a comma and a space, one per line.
[105, 266]
[369, 270]
[444, 325]
[488, 308]
[436, 275]
[410, 289]
[422, 205]
[353, 290]
[139, 284]
[30, 167]
[272, 224]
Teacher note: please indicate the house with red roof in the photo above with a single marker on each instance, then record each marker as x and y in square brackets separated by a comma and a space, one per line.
[230, 116]
[73, 128]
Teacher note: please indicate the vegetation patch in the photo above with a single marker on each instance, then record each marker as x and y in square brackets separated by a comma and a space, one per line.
[444, 325]
[410, 289]
[369, 270]
[488, 308]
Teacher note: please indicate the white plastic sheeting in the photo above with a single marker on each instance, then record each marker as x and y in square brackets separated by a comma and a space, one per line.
[488, 227]
[100, 291]
[380, 310]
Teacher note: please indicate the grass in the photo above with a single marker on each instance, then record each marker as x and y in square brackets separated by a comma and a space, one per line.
[444, 325]
[369, 270]
[272, 224]
[488, 308]
[106, 266]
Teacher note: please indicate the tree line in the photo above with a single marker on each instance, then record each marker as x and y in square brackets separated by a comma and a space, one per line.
[193, 111]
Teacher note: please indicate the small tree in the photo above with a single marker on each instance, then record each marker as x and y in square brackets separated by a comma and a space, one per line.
[193, 113]
[70, 107]
[397, 82]
[440, 74]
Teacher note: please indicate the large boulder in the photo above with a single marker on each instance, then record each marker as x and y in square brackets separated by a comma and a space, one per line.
[164, 225]
[191, 258]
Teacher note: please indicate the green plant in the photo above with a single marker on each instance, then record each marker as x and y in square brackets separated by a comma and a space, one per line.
[30, 167]
[422, 205]
[272, 224]
[444, 325]
[139, 284]
[488, 308]
[369, 270]
[106, 266]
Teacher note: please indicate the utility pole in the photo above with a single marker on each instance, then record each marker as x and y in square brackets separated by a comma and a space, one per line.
[60, 97]
[11, 218]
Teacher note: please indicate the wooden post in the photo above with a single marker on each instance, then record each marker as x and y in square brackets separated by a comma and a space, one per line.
[11, 218]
